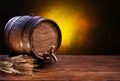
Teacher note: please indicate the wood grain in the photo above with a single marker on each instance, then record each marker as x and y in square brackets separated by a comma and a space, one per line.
[76, 67]
[44, 35]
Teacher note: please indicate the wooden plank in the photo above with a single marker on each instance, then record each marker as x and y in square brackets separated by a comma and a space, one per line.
[76, 67]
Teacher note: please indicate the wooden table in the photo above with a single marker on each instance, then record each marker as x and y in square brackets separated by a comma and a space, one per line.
[76, 67]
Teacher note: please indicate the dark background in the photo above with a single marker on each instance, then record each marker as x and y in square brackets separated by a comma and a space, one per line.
[105, 36]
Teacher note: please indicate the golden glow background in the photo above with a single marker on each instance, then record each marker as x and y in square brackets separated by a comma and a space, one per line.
[73, 21]
[88, 26]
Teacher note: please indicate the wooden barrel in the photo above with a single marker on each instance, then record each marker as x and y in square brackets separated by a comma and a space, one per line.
[32, 34]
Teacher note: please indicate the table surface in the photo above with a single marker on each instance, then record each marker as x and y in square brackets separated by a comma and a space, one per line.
[76, 67]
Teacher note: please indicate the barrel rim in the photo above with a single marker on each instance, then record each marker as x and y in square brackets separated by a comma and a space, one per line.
[26, 31]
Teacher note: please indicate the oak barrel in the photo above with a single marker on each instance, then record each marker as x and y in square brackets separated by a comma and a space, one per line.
[32, 34]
